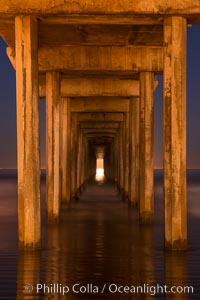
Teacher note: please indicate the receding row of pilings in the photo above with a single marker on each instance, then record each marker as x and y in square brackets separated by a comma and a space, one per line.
[67, 148]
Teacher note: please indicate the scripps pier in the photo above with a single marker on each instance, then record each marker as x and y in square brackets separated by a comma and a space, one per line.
[95, 63]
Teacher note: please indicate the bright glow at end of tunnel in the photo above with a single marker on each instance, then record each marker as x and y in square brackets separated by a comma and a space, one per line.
[99, 170]
[99, 174]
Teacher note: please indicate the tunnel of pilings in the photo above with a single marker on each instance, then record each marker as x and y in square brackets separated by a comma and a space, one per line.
[96, 63]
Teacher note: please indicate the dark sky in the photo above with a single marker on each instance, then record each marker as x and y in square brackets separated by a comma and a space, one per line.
[8, 109]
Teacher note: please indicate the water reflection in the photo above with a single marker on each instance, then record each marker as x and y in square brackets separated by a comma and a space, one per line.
[92, 249]
[146, 259]
[176, 274]
[99, 241]
[52, 275]
[28, 275]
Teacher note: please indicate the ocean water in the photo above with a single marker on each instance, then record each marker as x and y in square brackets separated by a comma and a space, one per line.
[98, 250]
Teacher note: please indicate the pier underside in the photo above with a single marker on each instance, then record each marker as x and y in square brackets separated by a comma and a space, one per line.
[95, 64]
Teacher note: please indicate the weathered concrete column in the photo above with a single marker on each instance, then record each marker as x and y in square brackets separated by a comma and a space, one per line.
[52, 146]
[121, 159]
[66, 147]
[146, 146]
[134, 151]
[112, 161]
[116, 157]
[28, 154]
[83, 161]
[79, 156]
[61, 144]
[86, 159]
[127, 154]
[73, 154]
[175, 132]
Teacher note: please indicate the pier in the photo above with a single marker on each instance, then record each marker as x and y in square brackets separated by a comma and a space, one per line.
[95, 64]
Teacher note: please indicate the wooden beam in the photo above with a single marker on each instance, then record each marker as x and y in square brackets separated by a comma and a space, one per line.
[157, 8]
[88, 125]
[100, 140]
[90, 87]
[11, 56]
[98, 58]
[7, 31]
[111, 19]
[100, 135]
[99, 105]
[100, 117]
[98, 130]
[77, 87]
[104, 133]
[58, 34]
[99, 35]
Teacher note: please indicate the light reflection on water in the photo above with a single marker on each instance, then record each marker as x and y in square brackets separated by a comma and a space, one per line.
[98, 241]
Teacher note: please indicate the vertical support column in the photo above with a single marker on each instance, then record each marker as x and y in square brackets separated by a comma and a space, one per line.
[175, 132]
[79, 156]
[66, 146]
[73, 154]
[85, 158]
[28, 152]
[82, 159]
[121, 161]
[115, 149]
[112, 160]
[146, 146]
[127, 154]
[134, 150]
[83, 163]
[61, 145]
[118, 156]
[53, 145]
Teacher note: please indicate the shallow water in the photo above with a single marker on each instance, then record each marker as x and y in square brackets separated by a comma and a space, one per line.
[98, 242]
